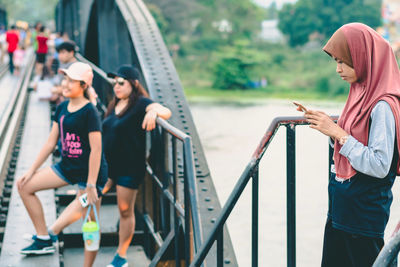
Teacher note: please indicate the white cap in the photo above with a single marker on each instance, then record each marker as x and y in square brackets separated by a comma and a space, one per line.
[79, 71]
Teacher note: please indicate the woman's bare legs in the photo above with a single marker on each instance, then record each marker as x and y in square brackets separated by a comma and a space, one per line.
[73, 212]
[39, 68]
[126, 202]
[43, 179]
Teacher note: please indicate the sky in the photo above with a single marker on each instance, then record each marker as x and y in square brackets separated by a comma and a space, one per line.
[267, 3]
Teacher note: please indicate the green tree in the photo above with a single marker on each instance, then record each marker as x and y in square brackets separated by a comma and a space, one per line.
[234, 69]
[196, 19]
[28, 10]
[298, 21]
[305, 17]
[231, 73]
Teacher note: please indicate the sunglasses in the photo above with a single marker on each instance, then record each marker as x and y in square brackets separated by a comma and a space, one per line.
[120, 81]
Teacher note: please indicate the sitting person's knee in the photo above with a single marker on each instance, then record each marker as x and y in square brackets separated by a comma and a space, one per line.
[25, 190]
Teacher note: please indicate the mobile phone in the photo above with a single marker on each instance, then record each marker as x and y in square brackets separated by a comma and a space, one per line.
[300, 106]
[83, 200]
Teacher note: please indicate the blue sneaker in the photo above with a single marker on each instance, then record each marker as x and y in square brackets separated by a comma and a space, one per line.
[118, 262]
[28, 237]
[39, 247]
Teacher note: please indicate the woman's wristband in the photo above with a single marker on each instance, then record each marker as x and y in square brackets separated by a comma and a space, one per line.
[90, 185]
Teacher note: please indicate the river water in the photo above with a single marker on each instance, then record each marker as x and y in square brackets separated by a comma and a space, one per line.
[230, 133]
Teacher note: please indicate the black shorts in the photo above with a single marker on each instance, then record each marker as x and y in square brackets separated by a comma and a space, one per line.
[40, 58]
[127, 181]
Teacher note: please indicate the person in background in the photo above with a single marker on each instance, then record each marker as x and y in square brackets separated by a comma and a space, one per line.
[19, 55]
[12, 38]
[65, 36]
[34, 34]
[22, 37]
[28, 39]
[366, 146]
[66, 56]
[41, 51]
[130, 114]
[56, 62]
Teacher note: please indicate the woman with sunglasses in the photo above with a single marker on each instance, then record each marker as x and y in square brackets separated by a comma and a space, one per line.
[129, 115]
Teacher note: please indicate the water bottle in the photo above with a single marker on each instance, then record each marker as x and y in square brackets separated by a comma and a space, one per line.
[91, 231]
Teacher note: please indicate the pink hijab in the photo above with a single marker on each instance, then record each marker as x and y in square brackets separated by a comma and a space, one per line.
[378, 79]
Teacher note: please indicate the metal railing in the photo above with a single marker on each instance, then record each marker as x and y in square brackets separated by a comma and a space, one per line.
[177, 217]
[252, 171]
[165, 176]
[13, 111]
[388, 255]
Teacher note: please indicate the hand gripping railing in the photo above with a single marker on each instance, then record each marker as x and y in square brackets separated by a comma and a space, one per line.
[191, 223]
[251, 171]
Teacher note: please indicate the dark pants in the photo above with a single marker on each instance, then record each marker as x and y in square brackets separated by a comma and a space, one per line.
[11, 62]
[342, 249]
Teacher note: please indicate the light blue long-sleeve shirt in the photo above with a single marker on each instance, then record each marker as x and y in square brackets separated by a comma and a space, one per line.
[376, 158]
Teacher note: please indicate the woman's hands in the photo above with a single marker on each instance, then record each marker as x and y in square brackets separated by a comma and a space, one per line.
[24, 179]
[149, 120]
[323, 123]
[91, 192]
[153, 111]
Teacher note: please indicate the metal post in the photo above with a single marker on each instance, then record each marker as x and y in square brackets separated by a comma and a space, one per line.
[220, 247]
[187, 214]
[144, 211]
[291, 194]
[175, 179]
[165, 182]
[254, 229]
[155, 193]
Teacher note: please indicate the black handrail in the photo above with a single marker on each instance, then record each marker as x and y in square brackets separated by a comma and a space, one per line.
[190, 176]
[187, 211]
[190, 206]
[11, 109]
[251, 171]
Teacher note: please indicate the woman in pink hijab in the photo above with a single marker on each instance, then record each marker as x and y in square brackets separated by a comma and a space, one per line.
[366, 146]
